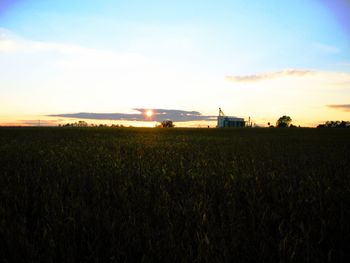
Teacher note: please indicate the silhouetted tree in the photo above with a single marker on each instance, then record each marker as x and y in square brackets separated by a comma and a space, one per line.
[166, 124]
[283, 121]
[344, 124]
[335, 124]
[82, 124]
[76, 124]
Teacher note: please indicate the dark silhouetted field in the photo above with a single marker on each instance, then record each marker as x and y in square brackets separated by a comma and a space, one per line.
[174, 195]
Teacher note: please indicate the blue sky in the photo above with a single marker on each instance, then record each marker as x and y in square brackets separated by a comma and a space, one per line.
[112, 56]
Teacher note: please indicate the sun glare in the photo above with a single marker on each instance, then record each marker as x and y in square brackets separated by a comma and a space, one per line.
[149, 113]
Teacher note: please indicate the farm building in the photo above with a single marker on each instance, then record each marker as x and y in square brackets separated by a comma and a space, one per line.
[228, 121]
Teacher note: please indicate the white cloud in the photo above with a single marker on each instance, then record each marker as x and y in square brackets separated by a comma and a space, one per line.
[343, 64]
[270, 75]
[324, 48]
[11, 43]
[312, 78]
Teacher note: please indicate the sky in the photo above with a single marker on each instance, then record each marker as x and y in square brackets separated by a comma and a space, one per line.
[108, 61]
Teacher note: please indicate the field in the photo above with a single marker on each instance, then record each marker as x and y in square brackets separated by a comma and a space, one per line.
[174, 195]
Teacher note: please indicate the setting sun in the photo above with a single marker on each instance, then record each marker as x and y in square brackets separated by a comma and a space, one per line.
[149, 113]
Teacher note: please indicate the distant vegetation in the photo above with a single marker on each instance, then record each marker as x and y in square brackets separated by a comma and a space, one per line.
[284, 122]
[174, 195]
[85, 124]
[163, 124]
[335, 124]
[166, 124]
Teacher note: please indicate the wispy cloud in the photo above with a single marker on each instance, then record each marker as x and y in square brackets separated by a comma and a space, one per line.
[270, 75]
[326, 48]
[344, 64]
[158, 115]
[31, 123]
[11, 43]
[342, 107]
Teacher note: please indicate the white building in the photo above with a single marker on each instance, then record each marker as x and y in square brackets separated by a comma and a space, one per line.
[228, 121]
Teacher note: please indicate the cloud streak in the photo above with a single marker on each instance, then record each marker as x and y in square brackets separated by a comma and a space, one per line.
[158, 115]
[33, 123]
[342, 107]
[326, 48]
[270, 75]
[78, 55]
[12, 43]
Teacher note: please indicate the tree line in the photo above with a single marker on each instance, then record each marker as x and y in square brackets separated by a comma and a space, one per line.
[335, 124]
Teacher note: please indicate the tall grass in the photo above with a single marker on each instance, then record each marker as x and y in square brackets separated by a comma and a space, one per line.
[174, 195]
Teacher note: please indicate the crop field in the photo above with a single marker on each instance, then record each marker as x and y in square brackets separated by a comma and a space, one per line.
[174, 195]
